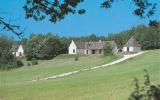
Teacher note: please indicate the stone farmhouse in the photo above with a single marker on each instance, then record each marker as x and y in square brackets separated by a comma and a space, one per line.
[18, 50]
[92, 47]
[132, 46]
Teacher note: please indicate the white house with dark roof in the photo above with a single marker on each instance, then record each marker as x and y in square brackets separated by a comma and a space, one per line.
[93, 47]
[18, 50]
[132, 46]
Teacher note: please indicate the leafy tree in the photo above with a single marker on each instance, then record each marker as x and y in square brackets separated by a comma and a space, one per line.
[56, 10]
[33, 46]
[64, 43]
[43, 47]
[92, 37]
[148, 37]
[7, 59]
[108, 49]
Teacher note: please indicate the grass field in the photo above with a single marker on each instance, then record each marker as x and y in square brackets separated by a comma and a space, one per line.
[110, 83]
[61, 64]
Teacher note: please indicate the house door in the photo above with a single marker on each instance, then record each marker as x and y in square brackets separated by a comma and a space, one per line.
[86, 51]
[74, 50]
[128, 49]
[20, 54]
[93, 51]
[100, 51]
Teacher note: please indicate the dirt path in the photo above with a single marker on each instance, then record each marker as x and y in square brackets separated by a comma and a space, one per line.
[125, 57]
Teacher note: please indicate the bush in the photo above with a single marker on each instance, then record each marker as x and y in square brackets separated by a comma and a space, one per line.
[34, 61]
[28, 64]
[147, 92]
[8, 61]
[76, 58]
[19, 63]
[108, 49]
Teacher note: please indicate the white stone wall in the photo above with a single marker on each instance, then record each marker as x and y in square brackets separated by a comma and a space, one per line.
[137, 49]
[80, 51]
[132, 49]
[20, 51]
[72, 47]
[115, 50]
[124, 49]
[89, 51]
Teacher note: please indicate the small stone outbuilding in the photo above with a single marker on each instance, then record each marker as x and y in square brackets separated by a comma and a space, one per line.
[132, 46]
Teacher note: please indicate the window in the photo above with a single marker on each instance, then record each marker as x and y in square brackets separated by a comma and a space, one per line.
[73, 50]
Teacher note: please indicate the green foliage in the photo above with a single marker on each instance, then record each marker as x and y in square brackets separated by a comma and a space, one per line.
[7, 60]
[76, 58]
[147, 92]
[19, 63]
[64, 43]
[148, 37]
[28, 64]
[92, 37]
[44, 47]
[108, 49]
[57, 10]
[54, 10]
[34, 61]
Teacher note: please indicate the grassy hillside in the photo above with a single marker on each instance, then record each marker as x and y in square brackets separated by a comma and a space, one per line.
[109, 83]
[58, 65]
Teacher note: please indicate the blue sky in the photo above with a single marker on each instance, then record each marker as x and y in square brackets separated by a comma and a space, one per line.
[96, 20]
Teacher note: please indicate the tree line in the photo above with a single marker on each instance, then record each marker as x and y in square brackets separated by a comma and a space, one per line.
[148, 37]
[48, 46]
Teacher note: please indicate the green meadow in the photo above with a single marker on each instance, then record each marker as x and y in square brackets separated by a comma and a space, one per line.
[108, 83]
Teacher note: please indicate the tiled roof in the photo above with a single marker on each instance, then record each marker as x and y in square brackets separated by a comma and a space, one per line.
[14, 48]
[80, 45]
[93, 44]
[132, 42]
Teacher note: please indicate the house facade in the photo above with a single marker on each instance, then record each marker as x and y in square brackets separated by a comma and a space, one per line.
[18, 50]
[92, 47]
[132, 46]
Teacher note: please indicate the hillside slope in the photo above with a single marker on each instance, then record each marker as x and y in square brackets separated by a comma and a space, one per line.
[109, 83]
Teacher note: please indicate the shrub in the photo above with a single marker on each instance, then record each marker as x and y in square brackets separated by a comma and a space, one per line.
[8, 61]
[108, 49]
[28, 64]
[76, 58]
[34, 61]
[19, 63]
[147, 92]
